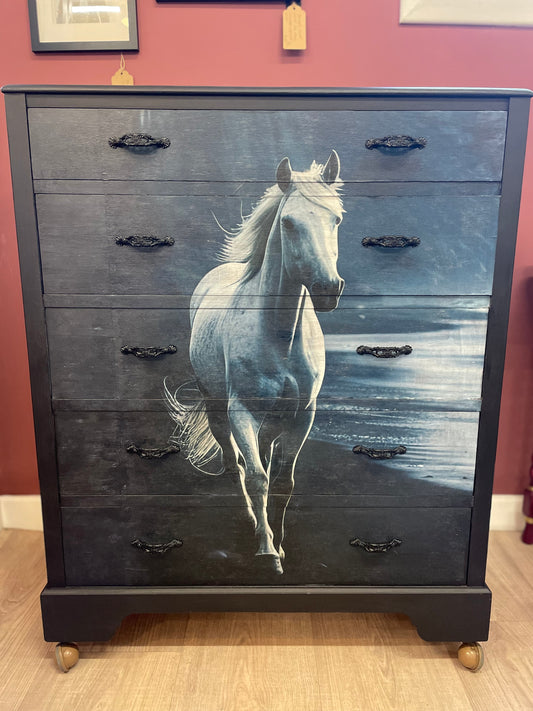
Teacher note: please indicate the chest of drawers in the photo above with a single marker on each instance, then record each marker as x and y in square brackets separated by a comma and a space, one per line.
[353, 434]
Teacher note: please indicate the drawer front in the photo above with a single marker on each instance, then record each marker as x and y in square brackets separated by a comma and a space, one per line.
[98, 546]
[92, 352]
[399, 454]
[453, 252]
[80, 255]
[414, 546]
[74, 143]
[439, 364]
[128, 453]
[434, 356]
[407, 546]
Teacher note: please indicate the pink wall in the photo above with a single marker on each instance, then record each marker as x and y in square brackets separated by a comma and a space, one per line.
[238, 44]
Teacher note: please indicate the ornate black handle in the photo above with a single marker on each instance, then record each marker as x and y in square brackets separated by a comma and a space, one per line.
[379, 453]
[384, 351]
[376, 547]
[156, 548]
[395, 144]
[149, 352]
[152, 453]
[149, 241]
[391, 241]
[138, 140]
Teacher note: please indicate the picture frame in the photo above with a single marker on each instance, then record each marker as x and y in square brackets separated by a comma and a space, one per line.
[246, 1]
[83, 25]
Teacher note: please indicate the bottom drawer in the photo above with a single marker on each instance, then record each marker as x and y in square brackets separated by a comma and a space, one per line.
[158, 541]
[378, 546]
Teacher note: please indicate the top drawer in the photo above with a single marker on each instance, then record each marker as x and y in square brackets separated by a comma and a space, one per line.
[237, 145]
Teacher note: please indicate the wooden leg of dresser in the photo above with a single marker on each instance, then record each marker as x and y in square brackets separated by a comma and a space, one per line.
[83, 619]
[451, 615]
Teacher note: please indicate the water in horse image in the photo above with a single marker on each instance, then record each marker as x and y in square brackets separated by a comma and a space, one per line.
[257, 348]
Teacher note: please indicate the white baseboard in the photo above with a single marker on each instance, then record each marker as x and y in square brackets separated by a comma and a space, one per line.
[25, 512]
[506, 513]
[21, 512]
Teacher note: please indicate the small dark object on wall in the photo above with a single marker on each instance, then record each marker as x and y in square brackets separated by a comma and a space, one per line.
[527, 509]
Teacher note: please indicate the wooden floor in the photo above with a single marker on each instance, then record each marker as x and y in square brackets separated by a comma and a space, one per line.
[264, 662]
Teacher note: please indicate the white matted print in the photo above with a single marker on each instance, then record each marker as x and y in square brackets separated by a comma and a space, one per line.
[467, 12]
[69, 25]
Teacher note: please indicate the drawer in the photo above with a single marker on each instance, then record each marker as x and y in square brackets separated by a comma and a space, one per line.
[98, 540]
[398, 453]
[401, 454]
[80, 255]
[419, 546]
[454, 252]
[93, 352]
[236, 145]
[411, 546]
[439, 365]
[96, 456]
[434, 355]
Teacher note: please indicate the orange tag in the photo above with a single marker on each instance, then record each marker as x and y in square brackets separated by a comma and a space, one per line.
[294, 27]
[121, 76]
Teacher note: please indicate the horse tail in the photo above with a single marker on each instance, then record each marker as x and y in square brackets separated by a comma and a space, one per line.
[192, 433]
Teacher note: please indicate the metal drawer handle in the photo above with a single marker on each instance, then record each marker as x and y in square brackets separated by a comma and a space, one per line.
[391, 241]
[376, 547]
[156, 548]
[149, 352]
[138, 140]
[149, 241]
[379, 453]
[152, 453]
[384, 351]
[396, 144]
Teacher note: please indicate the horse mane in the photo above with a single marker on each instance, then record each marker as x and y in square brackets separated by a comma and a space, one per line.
[247, 243]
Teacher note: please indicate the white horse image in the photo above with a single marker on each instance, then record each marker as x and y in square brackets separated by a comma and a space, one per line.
[257, 348]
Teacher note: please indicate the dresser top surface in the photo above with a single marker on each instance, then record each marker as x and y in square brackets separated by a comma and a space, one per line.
[270, 91]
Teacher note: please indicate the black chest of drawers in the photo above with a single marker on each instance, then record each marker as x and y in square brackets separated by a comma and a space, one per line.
[353, 437]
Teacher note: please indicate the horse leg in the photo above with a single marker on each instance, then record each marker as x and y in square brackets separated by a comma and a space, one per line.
[245, 429]
[221, 431]
[284, 459]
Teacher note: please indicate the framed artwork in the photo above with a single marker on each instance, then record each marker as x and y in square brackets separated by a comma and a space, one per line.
[467, 12]
[83, 25]
[248, 1]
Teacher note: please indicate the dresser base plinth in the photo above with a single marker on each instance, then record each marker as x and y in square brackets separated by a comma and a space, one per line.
[440, 614]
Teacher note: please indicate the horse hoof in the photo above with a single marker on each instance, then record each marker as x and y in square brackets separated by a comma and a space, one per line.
[269, 563]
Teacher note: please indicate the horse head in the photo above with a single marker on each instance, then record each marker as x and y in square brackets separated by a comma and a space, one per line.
[309, 219]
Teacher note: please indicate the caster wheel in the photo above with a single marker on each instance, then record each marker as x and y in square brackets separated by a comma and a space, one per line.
[67, 656]
[470, 654]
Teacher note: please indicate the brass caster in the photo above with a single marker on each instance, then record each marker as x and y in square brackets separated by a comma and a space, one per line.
[67, 656]
[470, 654]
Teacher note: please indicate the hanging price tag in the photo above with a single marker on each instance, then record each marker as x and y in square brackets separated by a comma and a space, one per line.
[294, 27]
[122, 76]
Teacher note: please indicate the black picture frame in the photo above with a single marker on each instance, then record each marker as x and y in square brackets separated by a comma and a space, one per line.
[243, 1]
[50, 35]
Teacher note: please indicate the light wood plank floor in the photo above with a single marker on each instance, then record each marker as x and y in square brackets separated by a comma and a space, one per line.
[264, 662]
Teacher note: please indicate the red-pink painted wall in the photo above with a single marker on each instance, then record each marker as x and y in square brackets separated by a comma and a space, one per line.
[239, 44]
